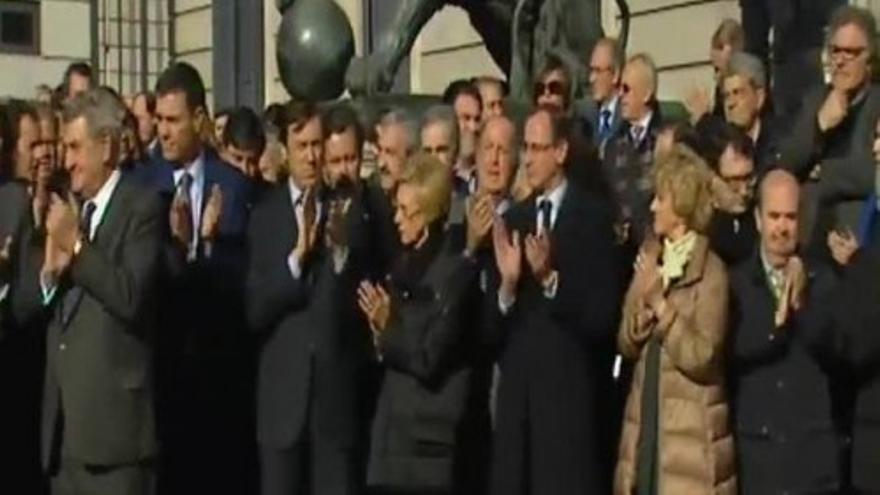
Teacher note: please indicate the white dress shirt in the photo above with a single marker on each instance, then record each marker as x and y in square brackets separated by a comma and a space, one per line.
[196, 170]
[555, 197]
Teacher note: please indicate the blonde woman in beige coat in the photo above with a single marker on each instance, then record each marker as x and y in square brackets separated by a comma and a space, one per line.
[676, 438]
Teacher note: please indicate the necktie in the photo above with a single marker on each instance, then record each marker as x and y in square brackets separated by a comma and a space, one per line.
[545, 206]
[636, 134]
[605, 123]
[184, 188]
[85, 222]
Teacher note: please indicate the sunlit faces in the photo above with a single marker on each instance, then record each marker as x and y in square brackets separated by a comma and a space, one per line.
[77, 83]
[305, 151]
[408, 216]
[603, 76]
[437, 140]
[550, 91]
[492, 94]
[496, 160]
[245, 160]
[742, 101]
[777, 217]
[849, 57]
[342, 157]
[738, 171]
[666, 220]
[635, 91]
[88, 159]
[178, 127]
[393, 145]
[544, 156]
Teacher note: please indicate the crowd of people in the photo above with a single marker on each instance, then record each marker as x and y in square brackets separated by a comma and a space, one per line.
[586, 299]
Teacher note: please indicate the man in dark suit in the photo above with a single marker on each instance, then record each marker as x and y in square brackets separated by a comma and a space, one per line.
[829, 144]
[305, 260]
[601, 110]
[204, 352]
[99, 278]
[553, 302]
[784, 354]
[732, 232]
[629, 154]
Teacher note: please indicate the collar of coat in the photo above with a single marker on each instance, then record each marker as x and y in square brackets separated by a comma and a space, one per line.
[693, 271]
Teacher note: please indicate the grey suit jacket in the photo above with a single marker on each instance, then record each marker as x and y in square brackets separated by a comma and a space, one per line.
[847, 167]
[99, 364]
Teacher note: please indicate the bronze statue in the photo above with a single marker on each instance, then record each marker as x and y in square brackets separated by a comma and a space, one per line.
[518, 34]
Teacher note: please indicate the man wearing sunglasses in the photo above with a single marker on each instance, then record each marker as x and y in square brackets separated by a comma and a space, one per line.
[552, 90]
[830, 141]
[629, 153]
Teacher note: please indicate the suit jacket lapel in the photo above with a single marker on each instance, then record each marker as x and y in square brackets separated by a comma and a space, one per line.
[111, 224]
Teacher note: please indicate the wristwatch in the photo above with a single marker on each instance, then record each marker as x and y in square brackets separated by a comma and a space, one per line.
[77, 247]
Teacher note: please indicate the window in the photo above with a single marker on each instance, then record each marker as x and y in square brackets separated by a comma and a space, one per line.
[133, 42]
[20, 27]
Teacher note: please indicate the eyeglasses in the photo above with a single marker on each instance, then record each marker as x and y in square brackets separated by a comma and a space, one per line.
[553, 88]
[598, 70]
[847, 52]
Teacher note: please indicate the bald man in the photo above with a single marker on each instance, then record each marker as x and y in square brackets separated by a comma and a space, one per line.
[628, 155]
[784, 347]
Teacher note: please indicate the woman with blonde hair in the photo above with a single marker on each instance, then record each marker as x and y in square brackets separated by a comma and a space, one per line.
[423, 439]
[676, 438]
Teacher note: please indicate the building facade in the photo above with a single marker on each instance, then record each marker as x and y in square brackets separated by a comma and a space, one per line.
[232, 43]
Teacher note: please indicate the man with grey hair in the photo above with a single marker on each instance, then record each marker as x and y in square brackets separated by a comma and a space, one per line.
[829, 143]
[601, 109]
[439, 134]
[397, 139]
[98, 280]
[745, 96]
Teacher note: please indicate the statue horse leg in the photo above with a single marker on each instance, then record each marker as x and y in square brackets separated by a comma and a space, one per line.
[375, 74]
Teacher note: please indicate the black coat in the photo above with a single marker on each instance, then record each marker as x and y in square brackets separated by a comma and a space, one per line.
[782, 385]
[313, 338]
[554, 430]
[22, 349]
[733, 237]
[858, 314]
[423, 428]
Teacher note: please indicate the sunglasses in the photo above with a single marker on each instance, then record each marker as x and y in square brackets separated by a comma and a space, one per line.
[553, 88]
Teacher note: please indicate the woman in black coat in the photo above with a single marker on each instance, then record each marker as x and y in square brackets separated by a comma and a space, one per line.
[423, 423]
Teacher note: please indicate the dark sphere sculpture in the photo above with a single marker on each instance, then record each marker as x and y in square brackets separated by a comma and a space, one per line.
[315, 46]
